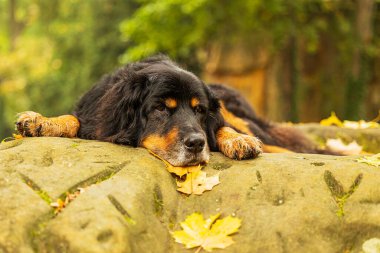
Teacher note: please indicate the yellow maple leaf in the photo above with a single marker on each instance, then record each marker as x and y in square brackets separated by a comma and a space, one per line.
[197, 183]
[207, 234]
[373, 160]
[333, 120]
[17, 136]
[179, 171]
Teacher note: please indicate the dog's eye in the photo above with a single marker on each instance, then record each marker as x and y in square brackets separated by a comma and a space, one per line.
[161, 107]
[199, 109]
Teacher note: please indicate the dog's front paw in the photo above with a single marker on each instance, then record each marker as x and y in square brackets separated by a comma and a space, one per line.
[29, 124]
[238, 146]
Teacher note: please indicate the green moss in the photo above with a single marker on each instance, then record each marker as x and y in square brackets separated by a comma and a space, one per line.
[97, 178]
[158, 201]
[317, 163]
[221, 166]
[10, 144]
[337, 191]
[259, 177]
[121, 210]
[44, 196]
[31, 184]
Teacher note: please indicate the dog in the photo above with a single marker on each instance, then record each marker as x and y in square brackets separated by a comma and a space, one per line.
[158, 105]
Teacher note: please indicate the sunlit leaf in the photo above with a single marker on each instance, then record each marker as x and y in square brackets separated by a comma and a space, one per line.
[333, 120]
[361, 124]
[210, 234]
[197, 183]
[179, 171]
[371, 246]
[373, 160]
[337, 145]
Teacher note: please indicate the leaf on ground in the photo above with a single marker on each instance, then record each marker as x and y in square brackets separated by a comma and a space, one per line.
[197, 183]
[337, 145]
[373, 160]
[333, 120]
[361, 124]
[179, 171]
[60, 204]
[208, 234]
[371, 246]
[14, 137]
[17, 136]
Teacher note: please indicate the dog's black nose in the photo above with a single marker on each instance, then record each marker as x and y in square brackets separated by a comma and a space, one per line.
[195, 142]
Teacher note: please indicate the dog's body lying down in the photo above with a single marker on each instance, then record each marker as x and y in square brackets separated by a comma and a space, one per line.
[157, 105]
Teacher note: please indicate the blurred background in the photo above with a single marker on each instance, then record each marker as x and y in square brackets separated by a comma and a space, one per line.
[293, 60]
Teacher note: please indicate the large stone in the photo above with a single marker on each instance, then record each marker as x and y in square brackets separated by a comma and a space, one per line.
[287, 202]
[368, 138]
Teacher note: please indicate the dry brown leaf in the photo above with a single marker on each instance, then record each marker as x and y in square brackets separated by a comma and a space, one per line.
[60, 204]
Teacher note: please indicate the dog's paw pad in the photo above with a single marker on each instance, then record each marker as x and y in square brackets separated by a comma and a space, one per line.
[28, 124]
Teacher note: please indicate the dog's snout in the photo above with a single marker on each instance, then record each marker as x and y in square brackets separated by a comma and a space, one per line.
[195, 142]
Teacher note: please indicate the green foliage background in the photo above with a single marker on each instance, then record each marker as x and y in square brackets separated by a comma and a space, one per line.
[52, 51]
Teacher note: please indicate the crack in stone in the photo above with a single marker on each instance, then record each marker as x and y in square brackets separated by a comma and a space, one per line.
[96, 179]
[32, 185]
[337, 191]
[121, 209]
[38, 227]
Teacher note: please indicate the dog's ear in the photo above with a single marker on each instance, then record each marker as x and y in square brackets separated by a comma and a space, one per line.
[214, 119]
[119, 115]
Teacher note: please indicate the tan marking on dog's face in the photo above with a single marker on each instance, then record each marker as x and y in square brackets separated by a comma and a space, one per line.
[194, 102]
[171, 103]
[235, 121]
[157, 143]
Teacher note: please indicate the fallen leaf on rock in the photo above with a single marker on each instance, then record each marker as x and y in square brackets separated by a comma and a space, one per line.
[14, 137]
[333, 120]
[361, 124]
[207, 234]
[336, 145]
[60, 204]
[371, 246]
[197, 183]
[179, 171]
[373, 160]
[17, 136]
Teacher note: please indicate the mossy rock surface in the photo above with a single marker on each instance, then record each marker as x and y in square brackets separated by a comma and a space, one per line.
[287, 202]
[369, 138]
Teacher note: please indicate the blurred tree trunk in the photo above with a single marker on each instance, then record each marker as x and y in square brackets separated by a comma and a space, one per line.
[360, 78]
[242, 66]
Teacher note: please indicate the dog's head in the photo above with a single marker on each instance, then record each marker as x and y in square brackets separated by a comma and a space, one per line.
[159, 106]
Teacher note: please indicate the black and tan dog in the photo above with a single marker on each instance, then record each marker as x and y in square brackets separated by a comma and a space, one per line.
[157, 105]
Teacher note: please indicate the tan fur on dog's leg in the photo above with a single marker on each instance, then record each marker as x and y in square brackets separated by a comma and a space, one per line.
[33, 124]
[275, 149]
[236, 145]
